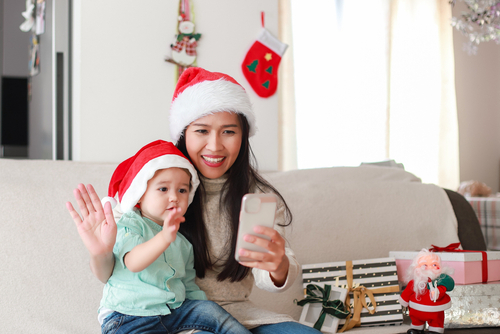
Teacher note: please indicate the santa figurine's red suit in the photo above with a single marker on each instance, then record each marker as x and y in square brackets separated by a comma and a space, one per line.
[425, 295]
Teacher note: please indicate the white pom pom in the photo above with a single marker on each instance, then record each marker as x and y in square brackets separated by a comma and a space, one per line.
[110, 200]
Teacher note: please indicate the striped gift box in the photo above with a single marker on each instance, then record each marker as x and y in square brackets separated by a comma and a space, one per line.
[487, 210]
[373, 274]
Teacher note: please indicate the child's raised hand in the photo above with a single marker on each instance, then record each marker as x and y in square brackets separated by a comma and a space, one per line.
[171, 225]
[96, 226]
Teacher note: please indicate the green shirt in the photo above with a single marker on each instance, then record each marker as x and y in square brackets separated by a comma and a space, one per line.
[162, 286]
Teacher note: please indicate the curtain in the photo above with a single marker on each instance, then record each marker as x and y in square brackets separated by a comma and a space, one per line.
[416, 123]
[422, 115]
[287, 145]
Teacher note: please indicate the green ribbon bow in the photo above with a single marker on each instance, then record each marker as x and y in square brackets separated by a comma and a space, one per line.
[335, 307]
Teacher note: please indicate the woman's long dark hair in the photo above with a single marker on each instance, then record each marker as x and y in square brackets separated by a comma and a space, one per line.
[241, 177]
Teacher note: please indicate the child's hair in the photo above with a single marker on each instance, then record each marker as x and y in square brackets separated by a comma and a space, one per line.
[184, 170]
[190, 177]
[241, 177]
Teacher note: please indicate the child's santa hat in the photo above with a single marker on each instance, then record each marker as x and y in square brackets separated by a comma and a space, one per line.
[200, 93]
[131, 177]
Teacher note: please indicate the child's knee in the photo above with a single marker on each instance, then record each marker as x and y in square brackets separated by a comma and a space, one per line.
[213, 307]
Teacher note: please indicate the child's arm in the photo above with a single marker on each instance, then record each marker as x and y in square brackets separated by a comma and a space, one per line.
[141, 256]
[97, 229]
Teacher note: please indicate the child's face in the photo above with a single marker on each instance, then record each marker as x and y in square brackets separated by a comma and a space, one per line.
[167, 190]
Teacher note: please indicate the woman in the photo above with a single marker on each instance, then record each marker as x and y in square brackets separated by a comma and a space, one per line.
[211, 120]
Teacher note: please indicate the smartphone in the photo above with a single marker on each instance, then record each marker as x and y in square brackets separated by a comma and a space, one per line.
[256, 209]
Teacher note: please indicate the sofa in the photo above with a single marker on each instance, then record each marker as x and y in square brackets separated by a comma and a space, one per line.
[341, 213]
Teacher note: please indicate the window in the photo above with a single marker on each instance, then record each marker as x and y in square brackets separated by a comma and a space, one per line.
[341, 60]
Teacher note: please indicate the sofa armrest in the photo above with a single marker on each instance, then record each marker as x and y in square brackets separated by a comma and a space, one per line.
[469, 231]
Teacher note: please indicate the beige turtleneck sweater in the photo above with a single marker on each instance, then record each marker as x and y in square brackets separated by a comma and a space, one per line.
[233, 296]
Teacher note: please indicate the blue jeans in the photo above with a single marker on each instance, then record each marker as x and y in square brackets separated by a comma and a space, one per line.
[203, 315]
[284, 328]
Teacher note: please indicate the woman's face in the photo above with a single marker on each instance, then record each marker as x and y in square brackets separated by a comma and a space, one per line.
[213, 143]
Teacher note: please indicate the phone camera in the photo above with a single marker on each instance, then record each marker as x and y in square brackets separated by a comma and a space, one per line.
[252, 205]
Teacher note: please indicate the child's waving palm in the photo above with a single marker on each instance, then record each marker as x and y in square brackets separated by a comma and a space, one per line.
[96, 227]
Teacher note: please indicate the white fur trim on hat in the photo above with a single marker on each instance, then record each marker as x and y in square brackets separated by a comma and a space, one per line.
[140, 182]
[206, 98]
[111, 201]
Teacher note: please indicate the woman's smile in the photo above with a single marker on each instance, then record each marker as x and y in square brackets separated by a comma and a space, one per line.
[213, 161]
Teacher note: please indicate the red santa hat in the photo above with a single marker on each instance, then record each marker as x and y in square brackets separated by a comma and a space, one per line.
[131, 177]
[200, 93]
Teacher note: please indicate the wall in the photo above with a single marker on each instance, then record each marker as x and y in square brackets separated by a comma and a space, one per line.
[477, 83]
[41, 105]
[2, 13]
[15, 42]
[44, 106]
[122, 86]
[13, 55]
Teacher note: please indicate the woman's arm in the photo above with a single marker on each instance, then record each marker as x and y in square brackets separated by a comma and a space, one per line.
[264, 281]
[97, 229]
[278, 267]
[275, 260]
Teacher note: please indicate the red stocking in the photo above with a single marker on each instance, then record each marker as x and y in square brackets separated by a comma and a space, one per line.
[260, 65]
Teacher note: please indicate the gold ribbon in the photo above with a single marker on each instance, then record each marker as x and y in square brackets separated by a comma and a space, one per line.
[359, 298]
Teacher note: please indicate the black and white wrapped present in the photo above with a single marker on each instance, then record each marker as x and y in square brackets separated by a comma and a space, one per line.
[474, 305]
[373, 289]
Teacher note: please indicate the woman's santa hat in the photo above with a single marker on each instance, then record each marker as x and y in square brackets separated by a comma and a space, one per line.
[200, 93]
[131, 177]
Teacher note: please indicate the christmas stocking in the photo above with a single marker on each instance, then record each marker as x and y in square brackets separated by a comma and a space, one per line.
[260, 65]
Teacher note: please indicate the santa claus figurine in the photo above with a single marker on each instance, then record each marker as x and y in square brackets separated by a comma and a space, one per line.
[425, 295]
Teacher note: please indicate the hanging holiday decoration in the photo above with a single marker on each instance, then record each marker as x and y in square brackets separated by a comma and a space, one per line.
[261, 62]
[186, 41]
[480, 24]
[29, 16]
[35, 25]
[40, 17]
[34, 56]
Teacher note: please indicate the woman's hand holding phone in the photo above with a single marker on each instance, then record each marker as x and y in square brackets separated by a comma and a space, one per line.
[274, 260]
[259, 245]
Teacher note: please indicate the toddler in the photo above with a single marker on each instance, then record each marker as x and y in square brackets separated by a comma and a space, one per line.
[152, 287]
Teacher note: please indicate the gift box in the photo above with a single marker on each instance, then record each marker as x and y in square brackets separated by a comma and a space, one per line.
[314, 313]
[467, 266]
[474, 305]
[373, 289]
